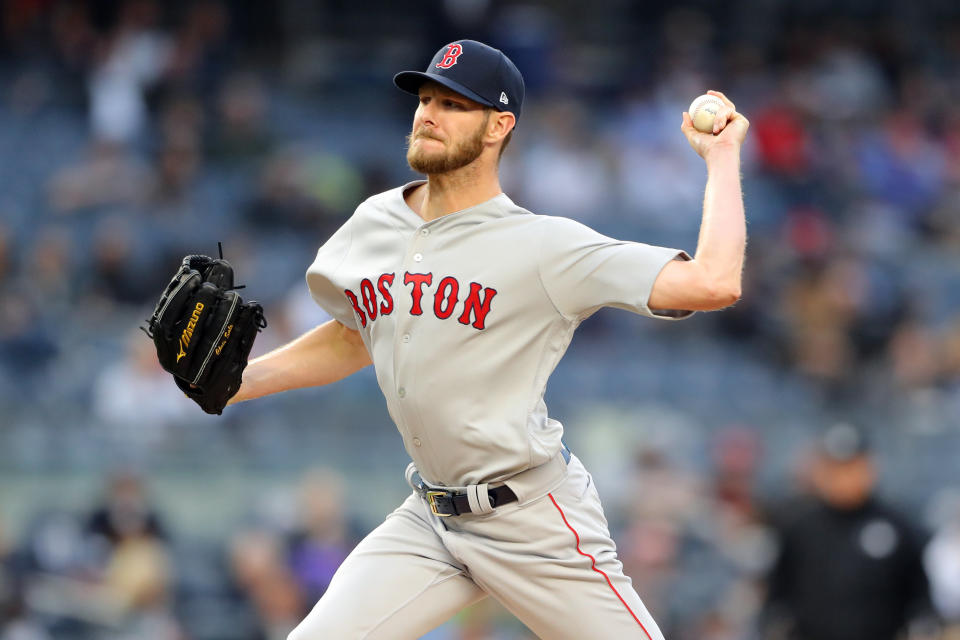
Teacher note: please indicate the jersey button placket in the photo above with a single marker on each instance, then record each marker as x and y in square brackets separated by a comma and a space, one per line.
[403, 337]
[403, 325]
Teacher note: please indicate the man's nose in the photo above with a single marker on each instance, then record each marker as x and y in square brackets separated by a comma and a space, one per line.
[428, 114]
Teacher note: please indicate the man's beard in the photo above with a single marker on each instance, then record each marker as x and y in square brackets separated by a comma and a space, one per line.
[460, 156]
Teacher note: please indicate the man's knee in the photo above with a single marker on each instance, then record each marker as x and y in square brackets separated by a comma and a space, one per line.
[317, 626]
[300, 633]
[312, 628]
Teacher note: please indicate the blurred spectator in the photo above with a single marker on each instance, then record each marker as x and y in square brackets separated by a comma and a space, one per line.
[50, 263]
[110, 575]
[783, 143]
[850, 566]
[305, 190]
[27, 343]
[735, 521]
[903, 165]
[117, 273]
[915, 356]
[664, 499]
[201, 49]
[727, 546]
[924, 358]
[822, 308]
[129, 546]
[125, 513]
[844, 80]
[663, 490]
[259, 568]
[564, 170]
[659, 181]
[136, 400]
[322, 540]
[178, 165]
[178, 159]
[109, 175]
[241, 134]
[16, 622]
[300, 313]
[132, 58]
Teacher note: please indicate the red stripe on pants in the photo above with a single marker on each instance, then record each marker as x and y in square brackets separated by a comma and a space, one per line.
[593, 565]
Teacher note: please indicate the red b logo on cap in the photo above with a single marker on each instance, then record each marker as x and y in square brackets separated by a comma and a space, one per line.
[451, 58]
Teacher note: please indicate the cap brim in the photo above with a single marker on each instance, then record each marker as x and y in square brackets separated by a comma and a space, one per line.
[410, 82]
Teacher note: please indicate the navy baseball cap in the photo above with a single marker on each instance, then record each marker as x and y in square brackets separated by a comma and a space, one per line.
[843, 442]
[474, 70]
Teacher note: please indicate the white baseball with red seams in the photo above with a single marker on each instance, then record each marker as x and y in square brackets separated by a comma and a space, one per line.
[702, 111]
[465, 317]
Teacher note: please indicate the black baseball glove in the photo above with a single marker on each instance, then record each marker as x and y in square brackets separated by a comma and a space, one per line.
[204, 331]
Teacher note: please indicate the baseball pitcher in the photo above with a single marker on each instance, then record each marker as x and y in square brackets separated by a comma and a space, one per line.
[465, 302]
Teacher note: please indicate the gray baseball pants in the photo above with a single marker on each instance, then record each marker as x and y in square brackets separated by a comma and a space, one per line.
[548, 558]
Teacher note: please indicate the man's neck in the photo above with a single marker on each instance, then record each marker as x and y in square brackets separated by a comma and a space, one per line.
[455, 191]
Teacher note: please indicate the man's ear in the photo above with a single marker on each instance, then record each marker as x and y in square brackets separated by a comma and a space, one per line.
[501, 123]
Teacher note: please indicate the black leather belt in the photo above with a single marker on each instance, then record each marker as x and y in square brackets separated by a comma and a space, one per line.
[445, 503]
[455, 503]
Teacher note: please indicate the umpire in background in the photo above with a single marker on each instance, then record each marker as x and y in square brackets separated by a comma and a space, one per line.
[850, 566]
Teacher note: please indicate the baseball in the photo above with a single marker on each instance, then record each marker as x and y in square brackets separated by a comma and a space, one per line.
[702, 110]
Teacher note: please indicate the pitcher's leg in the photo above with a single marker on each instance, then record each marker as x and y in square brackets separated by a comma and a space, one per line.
[553, 564]
[397, 584]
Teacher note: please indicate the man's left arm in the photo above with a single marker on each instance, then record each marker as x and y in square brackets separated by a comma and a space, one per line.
[712, 279]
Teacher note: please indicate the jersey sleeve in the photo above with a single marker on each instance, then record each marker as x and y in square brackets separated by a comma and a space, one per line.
[321, 276]
[582, 270]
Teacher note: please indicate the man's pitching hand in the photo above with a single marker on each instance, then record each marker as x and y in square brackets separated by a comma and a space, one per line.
[729, 129]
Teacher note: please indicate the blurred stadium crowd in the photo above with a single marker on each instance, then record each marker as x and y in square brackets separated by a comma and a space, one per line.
[133, 132]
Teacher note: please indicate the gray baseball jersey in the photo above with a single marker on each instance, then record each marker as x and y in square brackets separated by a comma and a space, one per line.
[465, 317]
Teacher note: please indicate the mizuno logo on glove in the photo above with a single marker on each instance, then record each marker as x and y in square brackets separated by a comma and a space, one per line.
[188, 332]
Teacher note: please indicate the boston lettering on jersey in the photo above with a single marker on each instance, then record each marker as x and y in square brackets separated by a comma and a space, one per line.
[446, 298]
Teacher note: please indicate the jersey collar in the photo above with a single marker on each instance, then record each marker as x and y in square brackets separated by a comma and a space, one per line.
[496, 207]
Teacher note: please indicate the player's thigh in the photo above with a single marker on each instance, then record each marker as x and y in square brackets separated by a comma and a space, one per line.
[553, 564]
[397, 584]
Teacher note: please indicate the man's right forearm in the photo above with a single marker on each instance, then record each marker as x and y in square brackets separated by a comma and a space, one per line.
[323, 355]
